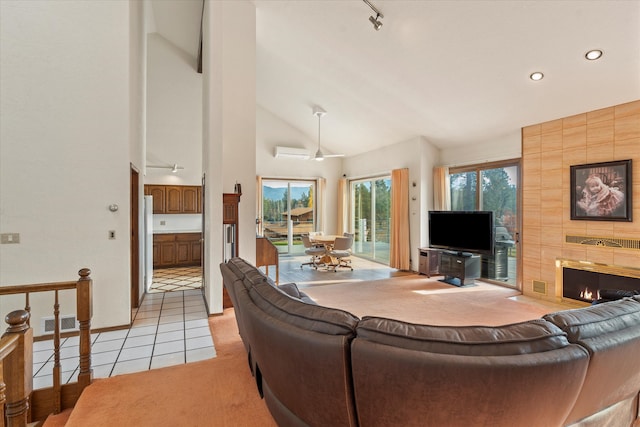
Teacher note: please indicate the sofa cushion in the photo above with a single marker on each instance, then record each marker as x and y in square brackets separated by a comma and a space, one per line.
[524, 374]
[292, 290]
[308, 316]
[520, 338]
[588, 322]
[610, 332]
[248, 273]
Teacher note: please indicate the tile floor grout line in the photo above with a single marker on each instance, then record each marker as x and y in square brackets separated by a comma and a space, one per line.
[184, 328]
[155, 336]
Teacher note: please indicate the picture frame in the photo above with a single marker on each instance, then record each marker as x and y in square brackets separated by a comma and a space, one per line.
[602, 191]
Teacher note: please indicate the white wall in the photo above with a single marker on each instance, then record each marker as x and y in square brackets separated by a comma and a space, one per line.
[174, 114]
[272, 131]
[419, 156]
[65, 148]
[229, 131]
[507, 147]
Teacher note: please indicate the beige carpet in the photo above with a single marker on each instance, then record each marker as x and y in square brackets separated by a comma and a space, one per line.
[213, 392]
[222, 392]
[419, 299]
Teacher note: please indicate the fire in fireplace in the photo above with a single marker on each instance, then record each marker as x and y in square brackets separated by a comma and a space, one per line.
[586, 285]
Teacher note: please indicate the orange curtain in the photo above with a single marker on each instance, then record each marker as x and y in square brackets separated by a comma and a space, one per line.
[441, 194]
[320, 204]
[400, 255]
[342, 225]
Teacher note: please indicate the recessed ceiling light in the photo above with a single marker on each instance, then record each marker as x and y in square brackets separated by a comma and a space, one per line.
[592, 55]
[536, 76]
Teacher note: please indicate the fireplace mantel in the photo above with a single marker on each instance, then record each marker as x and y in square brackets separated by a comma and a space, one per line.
[617, 270]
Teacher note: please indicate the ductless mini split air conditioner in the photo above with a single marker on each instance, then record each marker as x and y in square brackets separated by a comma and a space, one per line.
[291, 153]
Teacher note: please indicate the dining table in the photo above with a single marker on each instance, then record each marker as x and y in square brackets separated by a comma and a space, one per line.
[326, 240]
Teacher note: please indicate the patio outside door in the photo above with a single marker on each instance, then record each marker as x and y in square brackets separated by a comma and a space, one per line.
[493, 188]
[288, 211]
[371, 213]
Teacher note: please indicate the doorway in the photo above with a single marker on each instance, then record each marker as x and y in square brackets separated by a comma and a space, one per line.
[134, 237]
[371, 217]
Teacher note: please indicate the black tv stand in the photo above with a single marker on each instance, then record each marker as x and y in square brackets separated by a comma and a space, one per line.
[459, 268]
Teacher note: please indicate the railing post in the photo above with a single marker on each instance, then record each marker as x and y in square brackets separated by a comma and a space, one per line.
[84, 301]
[18, 370]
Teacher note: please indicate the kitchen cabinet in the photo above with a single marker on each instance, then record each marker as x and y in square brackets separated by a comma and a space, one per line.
[191, 199]
[230, 208]
[230, 203]
[158, 194]
[177, 250]
[175, 199]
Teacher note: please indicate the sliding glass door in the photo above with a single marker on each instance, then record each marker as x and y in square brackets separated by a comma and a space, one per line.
[288, 210]
[492, 187]
[371, 213]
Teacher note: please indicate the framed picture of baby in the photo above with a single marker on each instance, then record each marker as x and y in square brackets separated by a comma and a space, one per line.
[602, 191]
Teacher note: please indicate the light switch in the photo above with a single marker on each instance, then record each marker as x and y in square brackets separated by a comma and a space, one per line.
[6, 238]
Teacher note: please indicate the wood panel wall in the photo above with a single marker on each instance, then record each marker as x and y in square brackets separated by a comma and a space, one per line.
[548, 150]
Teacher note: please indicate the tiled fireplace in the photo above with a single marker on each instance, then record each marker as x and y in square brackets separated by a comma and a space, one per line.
[583, 281]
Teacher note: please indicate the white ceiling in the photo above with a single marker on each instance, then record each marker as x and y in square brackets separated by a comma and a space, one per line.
[454, 72]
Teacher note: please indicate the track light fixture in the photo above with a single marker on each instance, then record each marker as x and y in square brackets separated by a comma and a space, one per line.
[377, 24]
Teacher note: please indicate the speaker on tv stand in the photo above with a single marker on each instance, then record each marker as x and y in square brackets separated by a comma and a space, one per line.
[460, 269]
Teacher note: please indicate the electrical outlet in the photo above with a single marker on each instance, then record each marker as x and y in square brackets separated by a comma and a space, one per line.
[112, 234]
[6, 238]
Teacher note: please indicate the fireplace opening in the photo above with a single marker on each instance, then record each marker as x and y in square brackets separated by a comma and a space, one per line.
[583, 285]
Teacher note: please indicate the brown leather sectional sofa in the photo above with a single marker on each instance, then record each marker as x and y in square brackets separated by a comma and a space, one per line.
[319, 366]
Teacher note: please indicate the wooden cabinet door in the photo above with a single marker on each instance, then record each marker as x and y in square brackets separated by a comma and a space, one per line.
[199, 190]
[156, 255]
[173, 203]
[158, 194]
[229, 209]
[167, 253]
[190, 199]
[183, 253]
[196, 252]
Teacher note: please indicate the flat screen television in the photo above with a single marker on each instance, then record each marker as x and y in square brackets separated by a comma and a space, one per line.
[462, 231]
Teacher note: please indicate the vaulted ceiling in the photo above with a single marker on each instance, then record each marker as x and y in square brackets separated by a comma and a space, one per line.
[454, 72]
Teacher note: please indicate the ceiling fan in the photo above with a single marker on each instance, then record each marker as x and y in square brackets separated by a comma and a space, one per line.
[319, 156]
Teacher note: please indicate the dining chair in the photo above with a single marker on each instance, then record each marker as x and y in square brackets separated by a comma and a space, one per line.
[315, 252]
[313, 234]
[341, 251]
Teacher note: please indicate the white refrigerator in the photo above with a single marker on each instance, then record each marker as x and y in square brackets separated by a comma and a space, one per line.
[148, 242]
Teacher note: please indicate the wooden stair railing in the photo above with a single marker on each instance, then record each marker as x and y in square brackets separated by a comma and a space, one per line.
[19, 403]
[16, 350]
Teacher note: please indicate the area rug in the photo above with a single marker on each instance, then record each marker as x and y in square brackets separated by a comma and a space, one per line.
[419, 299]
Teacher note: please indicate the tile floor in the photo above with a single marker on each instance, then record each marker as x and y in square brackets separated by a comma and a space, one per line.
[169, 328]
[176, 279]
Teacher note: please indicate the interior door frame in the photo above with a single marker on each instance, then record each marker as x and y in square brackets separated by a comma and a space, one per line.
[135, 236]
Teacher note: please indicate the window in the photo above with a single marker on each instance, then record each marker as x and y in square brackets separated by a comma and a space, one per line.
[288, 210]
